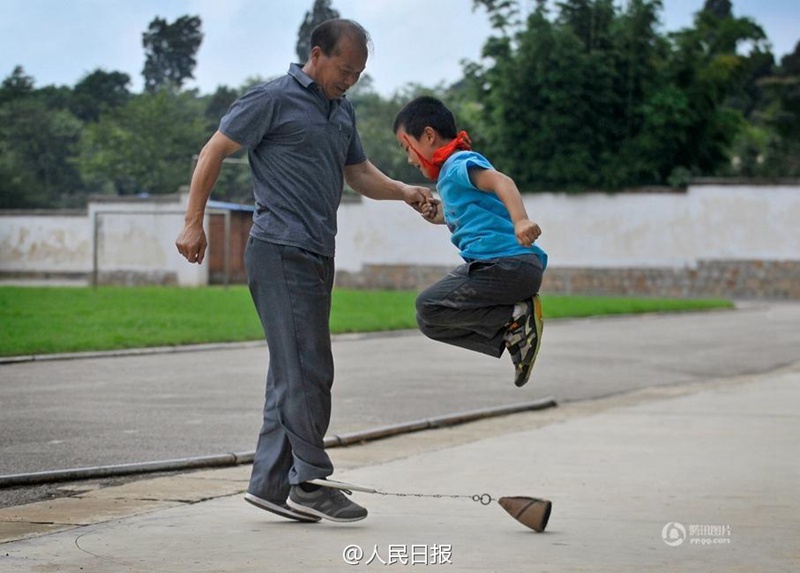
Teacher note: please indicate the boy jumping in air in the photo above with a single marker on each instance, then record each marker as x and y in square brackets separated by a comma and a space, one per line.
[491, 302]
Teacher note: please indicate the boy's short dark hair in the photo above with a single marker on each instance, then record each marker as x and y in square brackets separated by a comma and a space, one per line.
[426, 111]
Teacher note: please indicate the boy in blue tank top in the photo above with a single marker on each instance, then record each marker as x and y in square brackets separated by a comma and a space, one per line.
[490, 303]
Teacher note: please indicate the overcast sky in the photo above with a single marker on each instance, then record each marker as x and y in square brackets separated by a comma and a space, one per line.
[421, 41]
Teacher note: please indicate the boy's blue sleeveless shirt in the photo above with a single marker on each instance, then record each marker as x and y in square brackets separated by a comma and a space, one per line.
[479, 221]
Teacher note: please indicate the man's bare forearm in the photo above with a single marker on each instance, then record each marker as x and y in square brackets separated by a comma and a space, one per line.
[206, 173]
[204, 178]
[371, 182]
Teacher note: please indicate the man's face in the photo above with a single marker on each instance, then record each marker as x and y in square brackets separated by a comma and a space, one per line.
[341, 70]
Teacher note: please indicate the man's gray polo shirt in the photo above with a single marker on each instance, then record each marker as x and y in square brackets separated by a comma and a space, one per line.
[298, 143]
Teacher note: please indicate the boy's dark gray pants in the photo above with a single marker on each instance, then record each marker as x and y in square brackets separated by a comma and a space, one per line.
[473, 304]
[291, 289]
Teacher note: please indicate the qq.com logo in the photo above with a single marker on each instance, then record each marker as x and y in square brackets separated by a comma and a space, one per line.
[673, 534]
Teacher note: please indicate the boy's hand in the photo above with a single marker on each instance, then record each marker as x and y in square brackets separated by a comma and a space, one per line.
[432, 211]
[527, 232]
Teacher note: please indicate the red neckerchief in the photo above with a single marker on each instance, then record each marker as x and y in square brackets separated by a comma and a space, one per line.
[462, 142]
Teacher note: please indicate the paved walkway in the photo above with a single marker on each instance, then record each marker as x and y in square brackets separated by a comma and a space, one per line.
[693, 477]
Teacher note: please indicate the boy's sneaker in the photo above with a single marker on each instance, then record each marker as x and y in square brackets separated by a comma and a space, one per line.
[325, 502]
[523, 339]
[279, 509]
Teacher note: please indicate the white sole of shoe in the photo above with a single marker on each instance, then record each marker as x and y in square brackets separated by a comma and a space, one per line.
[283, 511]
[319, 514]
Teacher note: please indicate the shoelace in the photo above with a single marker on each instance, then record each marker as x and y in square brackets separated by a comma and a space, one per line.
[338, 498]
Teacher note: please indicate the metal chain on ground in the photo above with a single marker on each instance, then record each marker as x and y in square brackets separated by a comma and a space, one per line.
[483, 499]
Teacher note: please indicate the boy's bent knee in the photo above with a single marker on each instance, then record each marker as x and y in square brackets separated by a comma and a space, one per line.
[428, 330]
[423, 305]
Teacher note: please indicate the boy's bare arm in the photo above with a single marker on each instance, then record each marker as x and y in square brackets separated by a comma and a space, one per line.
[503, 186]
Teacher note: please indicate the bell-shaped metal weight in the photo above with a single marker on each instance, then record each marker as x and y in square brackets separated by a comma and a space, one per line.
[529, 511]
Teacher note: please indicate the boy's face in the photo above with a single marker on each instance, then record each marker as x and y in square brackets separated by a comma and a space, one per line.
[413, 147]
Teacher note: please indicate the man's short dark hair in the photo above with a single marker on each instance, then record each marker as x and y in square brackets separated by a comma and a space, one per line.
[328, 34]
[426, 111]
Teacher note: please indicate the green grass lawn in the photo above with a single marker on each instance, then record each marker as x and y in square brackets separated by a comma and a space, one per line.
[43, 320]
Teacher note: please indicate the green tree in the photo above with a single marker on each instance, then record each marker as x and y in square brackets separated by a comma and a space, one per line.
[503, 14]
[98, 92]
[596, 97]
[15, 86]
[170, 51]
[547, 99]
[589, 20]
[37, 145]
[38, 141]
[709, 67]
[320, 12]
[777, 145]
[145, 146]
[645, 110]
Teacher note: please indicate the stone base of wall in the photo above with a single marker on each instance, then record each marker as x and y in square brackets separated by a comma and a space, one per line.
[38, 278]
[727, 279]
[115, 278]
[391, 277]
[769, 280]
[137, 278]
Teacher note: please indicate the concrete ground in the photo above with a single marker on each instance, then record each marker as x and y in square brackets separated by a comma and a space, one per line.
[690, 477]
[674, 448]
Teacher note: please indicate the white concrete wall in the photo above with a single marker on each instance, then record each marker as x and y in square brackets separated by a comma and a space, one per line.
[746, 223]
[54, 243]
[719, 222]
[708, 222]
[134, 236]
[139, 237]
[389, 232]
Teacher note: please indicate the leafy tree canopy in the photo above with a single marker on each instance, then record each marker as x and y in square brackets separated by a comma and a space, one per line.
[595, 96]
[99, 91]
[170, 52]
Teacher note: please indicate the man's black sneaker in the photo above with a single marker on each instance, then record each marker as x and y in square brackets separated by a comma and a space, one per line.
[325, 502]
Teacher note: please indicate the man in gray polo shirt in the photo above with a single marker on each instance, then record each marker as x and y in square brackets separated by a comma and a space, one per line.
[302, 142]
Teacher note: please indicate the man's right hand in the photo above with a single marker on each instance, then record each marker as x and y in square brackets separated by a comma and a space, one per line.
[192, 243]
